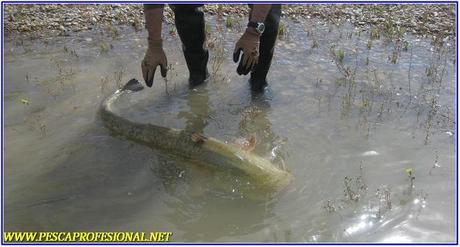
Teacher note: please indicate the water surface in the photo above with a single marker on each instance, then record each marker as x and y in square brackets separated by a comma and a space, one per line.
[371, 143]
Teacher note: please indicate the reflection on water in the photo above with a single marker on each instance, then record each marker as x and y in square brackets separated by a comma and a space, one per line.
[255, 121]
[197, 117]
[373, 160]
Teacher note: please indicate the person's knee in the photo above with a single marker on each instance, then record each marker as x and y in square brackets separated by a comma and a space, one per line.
[275, 11]
[273, 18]
[184, 9]
[273, 15]
[152, 6]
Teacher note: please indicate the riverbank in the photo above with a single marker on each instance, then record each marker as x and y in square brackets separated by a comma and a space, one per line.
[40, 20]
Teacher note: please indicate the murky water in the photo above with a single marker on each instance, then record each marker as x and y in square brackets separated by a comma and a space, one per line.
[371, 143]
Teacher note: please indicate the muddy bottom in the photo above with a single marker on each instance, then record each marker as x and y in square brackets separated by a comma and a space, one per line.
[365, 124]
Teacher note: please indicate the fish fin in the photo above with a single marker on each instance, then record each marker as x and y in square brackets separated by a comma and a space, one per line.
[246, 143]
[198, 137]
[252, 141]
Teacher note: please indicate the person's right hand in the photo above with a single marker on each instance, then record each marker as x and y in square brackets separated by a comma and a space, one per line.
[154, 56]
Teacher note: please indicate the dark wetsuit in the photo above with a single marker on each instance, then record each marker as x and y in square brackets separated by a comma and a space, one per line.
[189, 20]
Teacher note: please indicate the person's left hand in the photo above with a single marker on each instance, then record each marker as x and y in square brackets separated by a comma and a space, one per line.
[249, 44]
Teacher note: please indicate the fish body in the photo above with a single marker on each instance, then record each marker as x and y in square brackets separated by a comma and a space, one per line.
[209, 152]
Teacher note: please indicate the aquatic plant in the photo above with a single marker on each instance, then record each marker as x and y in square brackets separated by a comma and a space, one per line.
[25, 101]
[410, 172]
[374, 33]
[354, 188]
[329, 206]
[37, 123]
[435, 163]
[104, 82]
[383, 195]
[105, 47]
[113, 31]
[369, 44]
[394, 57]
[282, 29]
[118, 76]
[72, 52]
[218, 59]
[340, 54]
[315, 44]
[405, 45]
[229, 22]
[207, 29]
[172, 31]
[136, 24]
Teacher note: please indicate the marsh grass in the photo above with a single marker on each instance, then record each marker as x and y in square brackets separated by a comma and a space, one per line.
[65, 74]
[410, 172]
[330, 206]
[217, 46]
[207, 29]
[354, 189]
[37, 123]
[435, 163]
[70, 51]
[383, 196]
[375, 96]
[229, 22]
[112, 81]
[105, 47]
[113, 31]
[41, 125]
[172, 31]
[104, 85]
[136, 24]
[429, 96]
[314, 44]
[118, 76]
[283, 31]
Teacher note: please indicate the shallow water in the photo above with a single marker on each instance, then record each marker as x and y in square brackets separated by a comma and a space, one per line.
[350, 143]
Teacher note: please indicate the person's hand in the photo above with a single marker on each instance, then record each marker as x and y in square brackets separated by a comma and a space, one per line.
[249, 44]
[154, 56]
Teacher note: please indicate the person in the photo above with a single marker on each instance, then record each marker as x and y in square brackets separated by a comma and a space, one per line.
[253, 51]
